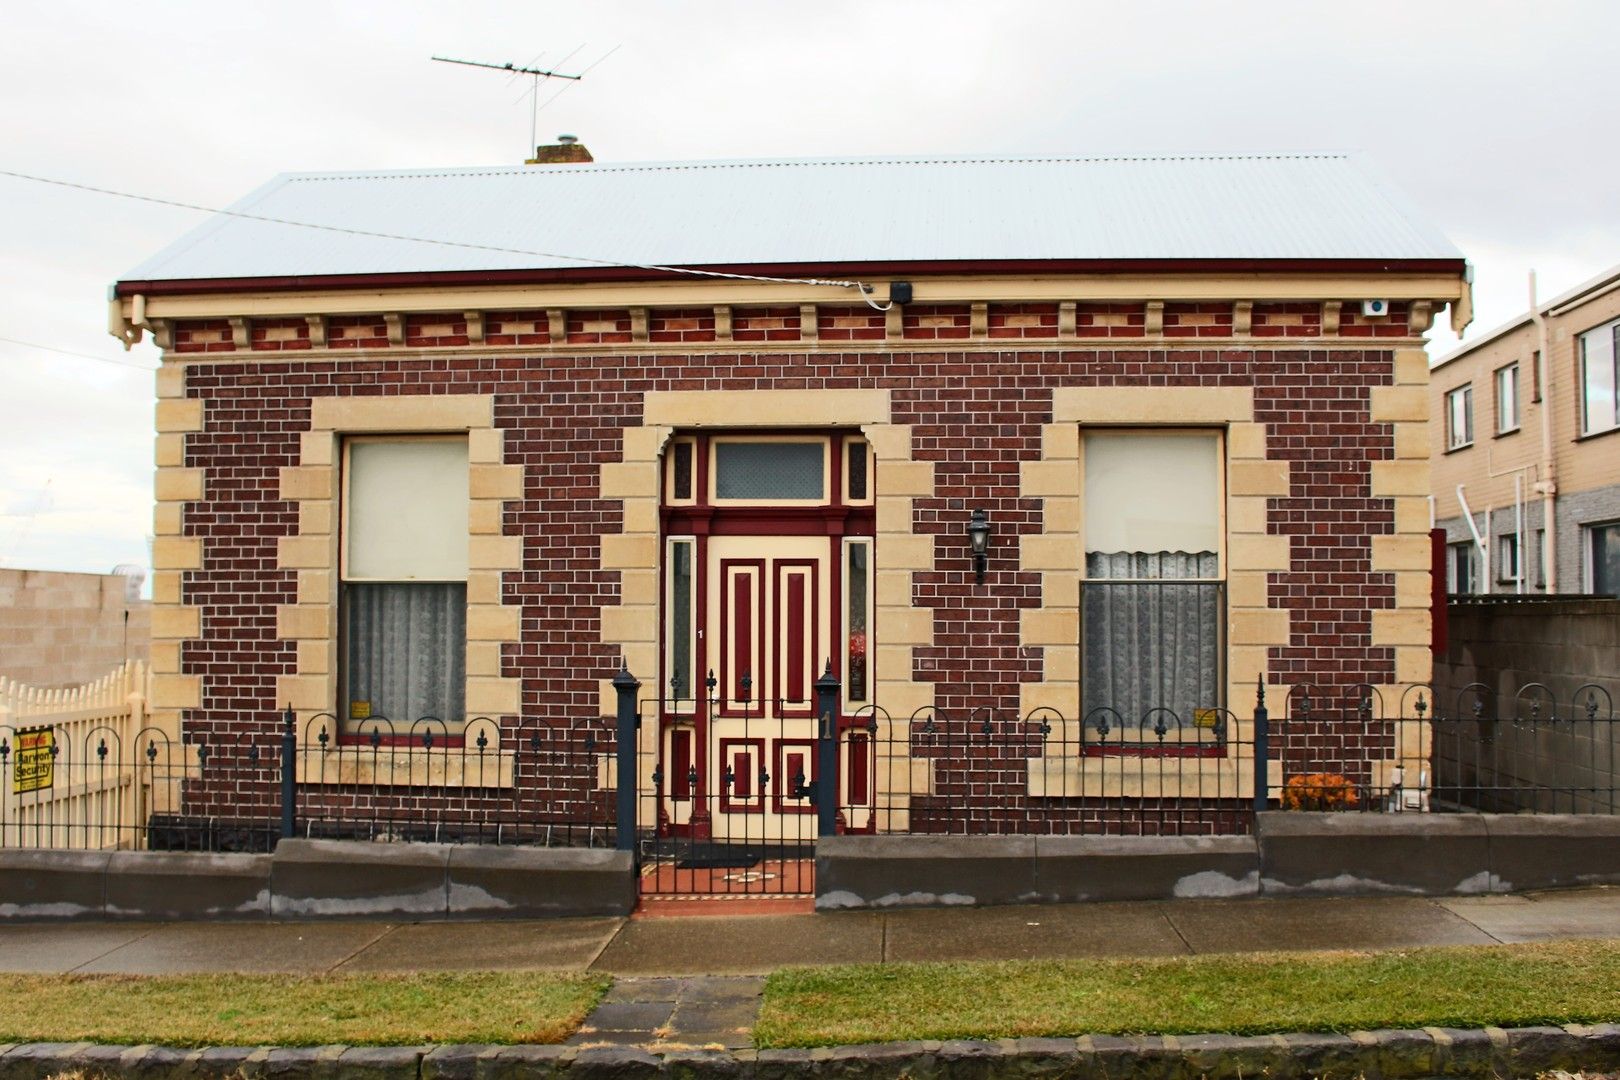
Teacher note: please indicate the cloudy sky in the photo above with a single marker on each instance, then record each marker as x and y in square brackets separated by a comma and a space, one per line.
[1497, 117]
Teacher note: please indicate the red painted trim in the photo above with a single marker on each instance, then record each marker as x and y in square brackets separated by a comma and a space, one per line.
[741, 644]
[783, 767]
[859, 792]
[680, 763]
[795, 639]
[793, 687]
[835, 618]
[742, 757]
[911, 268]
[771, 521]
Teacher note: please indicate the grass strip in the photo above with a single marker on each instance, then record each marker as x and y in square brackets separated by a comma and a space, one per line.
[1471, 986]
[288, 1010]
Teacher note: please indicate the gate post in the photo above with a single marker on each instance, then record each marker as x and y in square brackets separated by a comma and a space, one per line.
[827, 688]
[1262, 747]
[289, 774]
[625, 685]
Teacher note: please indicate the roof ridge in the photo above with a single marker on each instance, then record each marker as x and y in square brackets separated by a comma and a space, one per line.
[784, 163]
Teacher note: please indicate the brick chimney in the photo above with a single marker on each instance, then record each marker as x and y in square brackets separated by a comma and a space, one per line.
[567, 150]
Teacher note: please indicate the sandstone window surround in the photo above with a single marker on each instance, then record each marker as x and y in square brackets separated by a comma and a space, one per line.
[1153, 578]
[403, 599]
[315, 484]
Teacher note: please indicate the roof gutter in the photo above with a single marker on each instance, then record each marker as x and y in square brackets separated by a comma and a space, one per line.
[322, 282]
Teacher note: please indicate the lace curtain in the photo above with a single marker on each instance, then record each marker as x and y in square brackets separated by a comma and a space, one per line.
[1151, 637]
[407, 650]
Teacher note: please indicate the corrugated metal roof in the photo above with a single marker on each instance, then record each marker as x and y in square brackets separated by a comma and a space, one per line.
[1296, 206]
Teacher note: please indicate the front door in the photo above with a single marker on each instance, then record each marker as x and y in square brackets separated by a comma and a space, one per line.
[769, 605]
[767, 582]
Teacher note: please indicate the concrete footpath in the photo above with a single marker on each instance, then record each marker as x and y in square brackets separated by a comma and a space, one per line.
[759, 943]
[687, 990]
[696, 981]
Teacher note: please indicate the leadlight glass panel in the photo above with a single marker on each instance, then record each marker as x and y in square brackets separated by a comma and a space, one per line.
[857, 470]
[683, 470]
[855, 584]
[769, 470]
[680, 659]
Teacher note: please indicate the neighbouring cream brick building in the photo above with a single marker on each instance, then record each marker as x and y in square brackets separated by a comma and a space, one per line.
[61, 629]
[1527, 421]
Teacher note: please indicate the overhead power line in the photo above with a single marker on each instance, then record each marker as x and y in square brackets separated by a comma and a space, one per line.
[864, 289]
[80, 355]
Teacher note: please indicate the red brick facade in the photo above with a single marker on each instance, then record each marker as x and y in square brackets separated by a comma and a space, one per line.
[976, 414]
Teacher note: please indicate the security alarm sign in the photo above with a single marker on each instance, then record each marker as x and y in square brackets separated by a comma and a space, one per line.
[34, 768]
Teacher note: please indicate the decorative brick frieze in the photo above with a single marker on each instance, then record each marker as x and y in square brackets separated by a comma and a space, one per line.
[517, 328]
[850, 322]
[598, 327]
[676, 326]
[1110, 320]
[204, 336]
[936, 322]
[1023, 321]
[765, 324]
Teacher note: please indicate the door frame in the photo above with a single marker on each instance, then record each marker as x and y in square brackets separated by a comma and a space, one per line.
[848, 511]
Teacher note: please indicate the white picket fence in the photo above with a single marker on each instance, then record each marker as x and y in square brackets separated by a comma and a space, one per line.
[79, 768]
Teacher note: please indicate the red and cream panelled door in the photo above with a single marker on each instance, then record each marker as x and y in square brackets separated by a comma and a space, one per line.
[767, 579]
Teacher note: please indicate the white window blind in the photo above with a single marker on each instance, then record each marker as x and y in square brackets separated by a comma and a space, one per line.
[406, 515]
[1152, 492]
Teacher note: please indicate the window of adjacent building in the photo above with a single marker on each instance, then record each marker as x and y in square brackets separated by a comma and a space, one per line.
[1459, 417]
[1600, 378]
[404, 574]
[1507, 559]
[1541, 558]
[1507, 399]
[1463, 565]
[1152, 606]
[1603, 558]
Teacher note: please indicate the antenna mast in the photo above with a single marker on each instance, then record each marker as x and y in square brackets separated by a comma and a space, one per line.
[535, 75]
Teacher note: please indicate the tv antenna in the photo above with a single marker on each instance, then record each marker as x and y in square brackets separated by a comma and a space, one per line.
[535, 75]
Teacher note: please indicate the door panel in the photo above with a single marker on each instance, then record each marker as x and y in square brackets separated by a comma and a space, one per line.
[740, 611]
[798, 620]
[769, 598]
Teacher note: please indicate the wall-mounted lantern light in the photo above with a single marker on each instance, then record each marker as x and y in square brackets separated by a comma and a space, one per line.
[979, 539]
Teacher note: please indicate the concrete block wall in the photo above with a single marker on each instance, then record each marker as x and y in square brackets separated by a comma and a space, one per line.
[60, 629]
[1564, 645]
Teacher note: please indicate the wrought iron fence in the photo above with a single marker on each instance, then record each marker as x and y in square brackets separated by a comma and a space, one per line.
[698, 788]
[1355, 749]
[63, 786]
[1157, 771]
[534, 784]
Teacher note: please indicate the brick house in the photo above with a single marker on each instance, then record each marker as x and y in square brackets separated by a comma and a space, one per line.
[1183, 400]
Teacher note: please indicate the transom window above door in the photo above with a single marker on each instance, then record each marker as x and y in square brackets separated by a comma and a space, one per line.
[767, 470]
